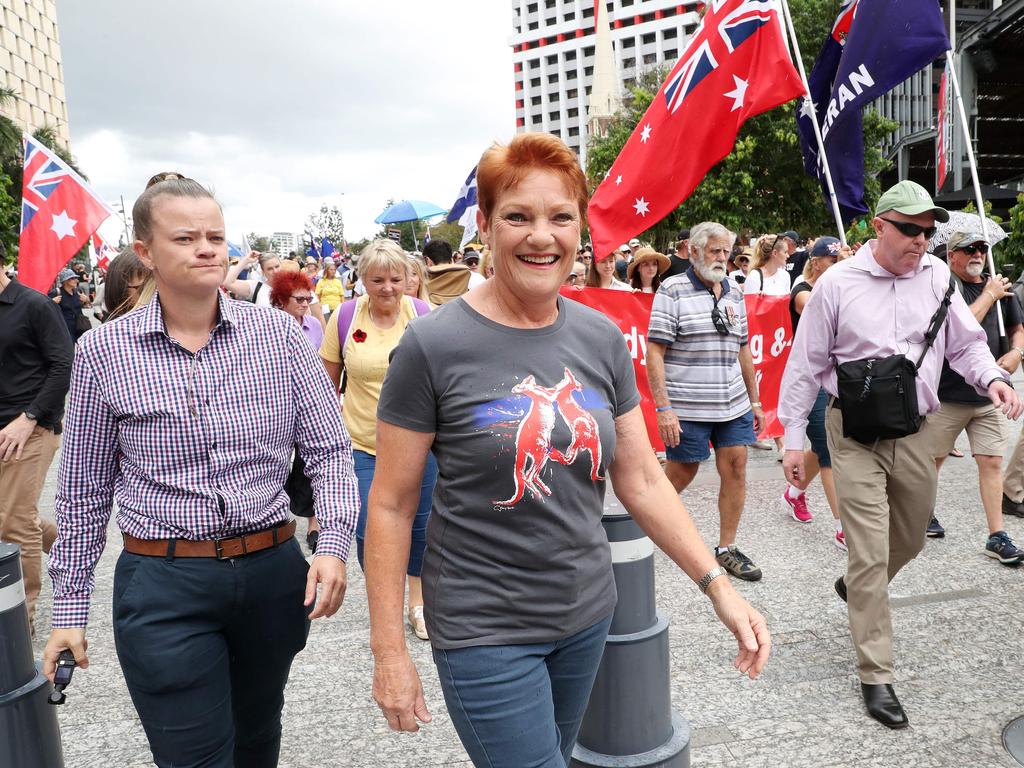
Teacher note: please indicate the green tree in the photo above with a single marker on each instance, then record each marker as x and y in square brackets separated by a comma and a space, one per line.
[761, 185]
[1011, 250]
[261, 243]
[327, 222]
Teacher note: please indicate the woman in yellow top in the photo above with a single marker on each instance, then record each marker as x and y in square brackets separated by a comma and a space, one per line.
[359, 339]
[330, 290]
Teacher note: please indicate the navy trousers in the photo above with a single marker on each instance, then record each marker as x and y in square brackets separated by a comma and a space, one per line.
[205, 646]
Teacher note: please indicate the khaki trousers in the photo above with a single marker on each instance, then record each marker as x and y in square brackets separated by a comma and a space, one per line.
[886, 498]
[21, 483]
[1013, 475]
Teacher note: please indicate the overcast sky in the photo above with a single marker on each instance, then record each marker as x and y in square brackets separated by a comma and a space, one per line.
[283, 106]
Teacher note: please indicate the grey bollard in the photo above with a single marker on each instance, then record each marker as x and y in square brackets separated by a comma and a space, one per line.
[629, 720]
[29, 736]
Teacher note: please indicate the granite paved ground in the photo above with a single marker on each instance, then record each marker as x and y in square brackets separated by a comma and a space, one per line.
[958, 629]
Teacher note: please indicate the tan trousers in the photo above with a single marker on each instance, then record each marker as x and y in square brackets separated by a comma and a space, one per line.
[21, 483]
[886, 497]
[1013, 475]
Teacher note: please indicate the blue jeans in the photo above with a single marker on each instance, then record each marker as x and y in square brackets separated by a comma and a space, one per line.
[816, 430]
[515, 706]
[365, 463]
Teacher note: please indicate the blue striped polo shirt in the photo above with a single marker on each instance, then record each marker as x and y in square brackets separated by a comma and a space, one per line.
[702, 370]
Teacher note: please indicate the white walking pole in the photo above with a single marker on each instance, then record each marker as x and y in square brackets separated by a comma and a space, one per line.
[974, 175]
[812, 113]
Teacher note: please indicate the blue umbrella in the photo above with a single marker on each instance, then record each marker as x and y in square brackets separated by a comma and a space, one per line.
[409, 210]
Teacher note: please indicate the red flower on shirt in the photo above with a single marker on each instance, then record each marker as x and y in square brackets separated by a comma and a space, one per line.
[359, 335]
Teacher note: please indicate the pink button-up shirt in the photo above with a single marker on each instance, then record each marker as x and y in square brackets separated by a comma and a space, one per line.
[859, 310]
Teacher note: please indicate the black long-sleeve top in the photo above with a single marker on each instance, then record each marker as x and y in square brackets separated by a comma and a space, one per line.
[35, 357]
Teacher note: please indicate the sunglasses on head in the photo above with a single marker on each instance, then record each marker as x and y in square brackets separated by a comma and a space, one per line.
[970, 250]
[908, 229]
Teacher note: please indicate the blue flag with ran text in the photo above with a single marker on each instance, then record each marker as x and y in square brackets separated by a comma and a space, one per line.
[874, 46]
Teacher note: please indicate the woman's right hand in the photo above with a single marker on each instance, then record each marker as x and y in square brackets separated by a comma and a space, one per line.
[668, 428]
[399, 693]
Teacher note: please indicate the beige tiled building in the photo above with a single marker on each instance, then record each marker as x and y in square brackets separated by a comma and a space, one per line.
[30, 65]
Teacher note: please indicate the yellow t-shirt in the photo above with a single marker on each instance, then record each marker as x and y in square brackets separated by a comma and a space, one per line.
[366, 363]
[330, 292]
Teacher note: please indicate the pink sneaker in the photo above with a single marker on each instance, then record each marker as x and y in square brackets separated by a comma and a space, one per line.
[797, 507]
[840, 541]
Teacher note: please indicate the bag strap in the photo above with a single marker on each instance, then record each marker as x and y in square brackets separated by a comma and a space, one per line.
[760, 274]
[937, 320]
[346, 313]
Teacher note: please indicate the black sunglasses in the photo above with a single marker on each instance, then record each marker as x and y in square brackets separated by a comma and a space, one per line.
[970, 250]
[719, 321]
[907, 229]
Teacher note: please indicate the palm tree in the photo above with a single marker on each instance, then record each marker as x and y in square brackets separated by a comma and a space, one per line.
[10, 133]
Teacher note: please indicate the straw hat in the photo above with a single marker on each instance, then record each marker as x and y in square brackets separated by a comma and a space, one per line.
[646, 253]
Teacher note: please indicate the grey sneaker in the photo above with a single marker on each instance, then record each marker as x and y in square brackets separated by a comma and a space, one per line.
[1000, 547]
[738, 564]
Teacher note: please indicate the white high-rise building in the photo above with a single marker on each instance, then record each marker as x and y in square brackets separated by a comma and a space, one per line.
[30, 65]
[553, 45]
[285, 243]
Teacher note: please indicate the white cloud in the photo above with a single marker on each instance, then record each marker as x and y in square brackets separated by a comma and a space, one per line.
[282, 107]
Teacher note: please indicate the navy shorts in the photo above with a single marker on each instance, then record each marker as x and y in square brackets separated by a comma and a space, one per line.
[816, 429]
[695, 436]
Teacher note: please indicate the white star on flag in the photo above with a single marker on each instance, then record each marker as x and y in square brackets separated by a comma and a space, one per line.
[807, 107]
[738, 93]
[642, 207]
[618, 180]
[645, 134]
[63, 225]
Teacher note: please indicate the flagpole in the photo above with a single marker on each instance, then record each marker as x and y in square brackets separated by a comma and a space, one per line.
[817, 129]
[974, 174]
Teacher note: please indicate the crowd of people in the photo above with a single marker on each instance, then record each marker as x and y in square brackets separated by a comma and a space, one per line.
[408, 403]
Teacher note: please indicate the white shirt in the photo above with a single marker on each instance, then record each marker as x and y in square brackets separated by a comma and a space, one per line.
[776, 285]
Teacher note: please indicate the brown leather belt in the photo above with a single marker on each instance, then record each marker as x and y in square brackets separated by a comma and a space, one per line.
[221, 549]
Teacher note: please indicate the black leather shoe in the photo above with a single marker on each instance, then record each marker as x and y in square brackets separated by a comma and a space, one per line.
[883, 705]
[1011, 507]
[841, 588]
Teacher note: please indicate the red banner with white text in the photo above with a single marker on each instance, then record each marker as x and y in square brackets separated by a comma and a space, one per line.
[770, 332]
[631, 312]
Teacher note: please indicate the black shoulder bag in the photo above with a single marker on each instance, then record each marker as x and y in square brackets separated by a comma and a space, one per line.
[878, 396]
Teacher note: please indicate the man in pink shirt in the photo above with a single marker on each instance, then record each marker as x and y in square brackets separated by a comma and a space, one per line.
[880, 303]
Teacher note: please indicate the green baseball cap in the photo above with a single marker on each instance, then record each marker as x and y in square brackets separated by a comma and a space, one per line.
[909, 198]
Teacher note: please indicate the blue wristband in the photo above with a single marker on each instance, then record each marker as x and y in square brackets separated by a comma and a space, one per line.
[663, 408]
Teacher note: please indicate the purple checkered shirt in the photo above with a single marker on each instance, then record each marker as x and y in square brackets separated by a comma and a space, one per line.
[194, 446]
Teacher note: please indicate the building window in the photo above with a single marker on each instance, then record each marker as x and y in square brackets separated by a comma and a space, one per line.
[628, 63]
[570, 74]
[629, 42]
[553, 78]
[531, 8]
[557, 133]
[535, 82]
[572, 112]
[554, 97]
[588, 11]
[648, 38]
[549, 4]
[532, 25]
[587, 72]
[574, 131]
[554, 115]
[571, 93]
[570, 55]
[670, 54]
[535, 101]
[569, 15]
[670, 34]
[553, 59]
[650, 58]
[588, 51]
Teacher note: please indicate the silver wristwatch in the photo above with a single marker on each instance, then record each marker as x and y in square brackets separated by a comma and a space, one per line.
[708, 577]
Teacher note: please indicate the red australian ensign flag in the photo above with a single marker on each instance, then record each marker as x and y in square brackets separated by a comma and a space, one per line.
[59, 212]
[736, 65]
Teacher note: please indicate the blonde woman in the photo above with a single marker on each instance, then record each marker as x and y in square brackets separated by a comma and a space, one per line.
[330, 290]
[768, 273]
[417, 285]
[359, 340]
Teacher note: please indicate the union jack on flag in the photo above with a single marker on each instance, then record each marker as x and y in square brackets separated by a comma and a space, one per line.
[104, 253]
[698, 59]
[59, 212]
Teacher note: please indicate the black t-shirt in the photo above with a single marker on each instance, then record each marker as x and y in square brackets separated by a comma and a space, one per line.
[677, 266]
[795, 265]
[952, 387]
[797, 289]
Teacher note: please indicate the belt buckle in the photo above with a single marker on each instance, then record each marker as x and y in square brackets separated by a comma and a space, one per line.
[219, 549]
